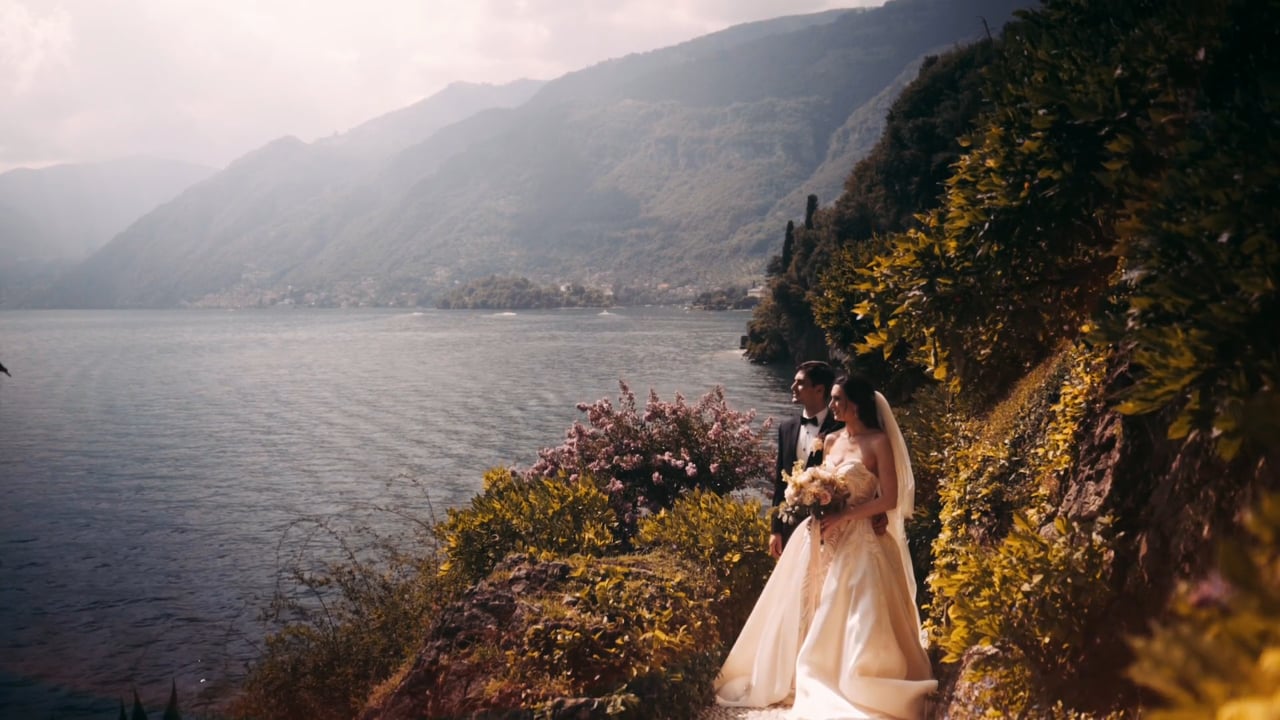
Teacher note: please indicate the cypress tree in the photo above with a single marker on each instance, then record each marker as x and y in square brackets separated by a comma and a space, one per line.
[788, 245]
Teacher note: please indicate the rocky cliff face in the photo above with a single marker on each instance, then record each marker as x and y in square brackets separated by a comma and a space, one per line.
[1172, 501]
[482, 618]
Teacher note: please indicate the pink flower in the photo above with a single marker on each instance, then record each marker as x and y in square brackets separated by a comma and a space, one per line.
[629, 449]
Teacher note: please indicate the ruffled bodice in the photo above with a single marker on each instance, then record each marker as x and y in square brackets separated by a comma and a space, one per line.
[862, 483]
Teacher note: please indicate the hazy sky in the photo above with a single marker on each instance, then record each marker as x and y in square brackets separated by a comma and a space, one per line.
[208, 80]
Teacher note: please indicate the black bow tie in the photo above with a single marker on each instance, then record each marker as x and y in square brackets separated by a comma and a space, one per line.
[809, 420]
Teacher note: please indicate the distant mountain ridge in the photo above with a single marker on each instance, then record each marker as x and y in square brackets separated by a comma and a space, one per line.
[65, 212]
[395, 131]
[655, 170]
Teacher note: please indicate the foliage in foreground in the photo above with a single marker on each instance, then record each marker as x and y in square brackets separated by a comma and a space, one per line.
[1219, 656]
[1043, 593]
[171, 711]
[639, 630]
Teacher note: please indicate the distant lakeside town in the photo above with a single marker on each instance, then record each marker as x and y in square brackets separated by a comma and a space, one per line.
[495, 292]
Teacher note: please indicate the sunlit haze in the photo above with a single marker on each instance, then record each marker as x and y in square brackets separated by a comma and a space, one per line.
[88, 80]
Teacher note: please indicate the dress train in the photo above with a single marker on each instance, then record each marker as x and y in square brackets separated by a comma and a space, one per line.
[837, 625]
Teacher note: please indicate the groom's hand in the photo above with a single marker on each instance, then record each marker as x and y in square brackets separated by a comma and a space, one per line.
[775, 545]
[880, 523]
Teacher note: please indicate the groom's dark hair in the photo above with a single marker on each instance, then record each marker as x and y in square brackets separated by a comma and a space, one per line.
[819, 373]
[862, 394]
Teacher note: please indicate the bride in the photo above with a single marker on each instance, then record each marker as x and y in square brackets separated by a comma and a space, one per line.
[836, 625]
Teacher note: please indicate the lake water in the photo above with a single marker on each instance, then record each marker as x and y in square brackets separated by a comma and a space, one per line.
[152, 463]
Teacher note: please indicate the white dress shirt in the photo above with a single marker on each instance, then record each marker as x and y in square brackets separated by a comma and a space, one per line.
[809, 433]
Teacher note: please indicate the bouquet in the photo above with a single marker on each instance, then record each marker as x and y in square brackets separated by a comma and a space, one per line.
[813, 491]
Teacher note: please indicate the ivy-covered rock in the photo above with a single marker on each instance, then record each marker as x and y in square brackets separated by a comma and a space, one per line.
[558, 638]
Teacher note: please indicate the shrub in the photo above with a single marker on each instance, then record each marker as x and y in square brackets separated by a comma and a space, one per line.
[1202, 259]
[729, 536]
[989, 477]
[1035, 595]
[626, 633]
[1219, 655]
[639, 629]
[1016, 589]
[1080, 396]
[930, 422]
[644, 461]
[537, 515]
[343, 628]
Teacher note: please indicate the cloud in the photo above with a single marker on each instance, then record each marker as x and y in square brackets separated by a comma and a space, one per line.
[84, 80]
[34, 54]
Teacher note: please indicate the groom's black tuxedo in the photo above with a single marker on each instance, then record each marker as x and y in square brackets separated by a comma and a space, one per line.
[788, 434]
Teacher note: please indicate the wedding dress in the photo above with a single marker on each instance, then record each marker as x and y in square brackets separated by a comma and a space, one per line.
[837, 623]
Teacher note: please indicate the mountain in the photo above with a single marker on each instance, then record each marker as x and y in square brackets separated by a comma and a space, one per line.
[68, 211]
[653, 170]
[409, 126]
[848, 144]
[269, 193]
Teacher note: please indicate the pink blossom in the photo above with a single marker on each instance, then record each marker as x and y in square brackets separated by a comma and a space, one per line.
[629, 449]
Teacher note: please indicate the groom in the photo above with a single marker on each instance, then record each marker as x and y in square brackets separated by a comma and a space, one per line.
[801, 437]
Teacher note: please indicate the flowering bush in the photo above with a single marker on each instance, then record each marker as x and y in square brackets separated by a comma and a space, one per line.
[812, 491]
[644, 461]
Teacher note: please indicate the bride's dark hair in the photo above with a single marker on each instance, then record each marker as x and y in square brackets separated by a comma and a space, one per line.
[862, 394]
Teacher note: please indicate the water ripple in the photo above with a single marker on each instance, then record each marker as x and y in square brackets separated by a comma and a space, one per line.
[153, 462]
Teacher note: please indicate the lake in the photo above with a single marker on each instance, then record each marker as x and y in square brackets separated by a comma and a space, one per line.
[154, 465]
